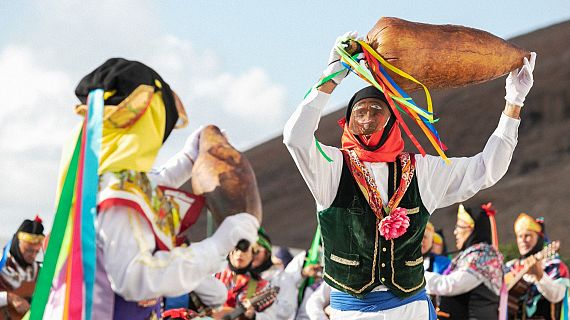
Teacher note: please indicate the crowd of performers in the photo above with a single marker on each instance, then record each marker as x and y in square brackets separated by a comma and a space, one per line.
[379, 256]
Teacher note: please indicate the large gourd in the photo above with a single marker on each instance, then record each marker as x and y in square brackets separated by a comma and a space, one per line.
[224, 177]
[442, 56]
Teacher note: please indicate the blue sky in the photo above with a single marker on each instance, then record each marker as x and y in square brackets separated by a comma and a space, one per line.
[243, 65]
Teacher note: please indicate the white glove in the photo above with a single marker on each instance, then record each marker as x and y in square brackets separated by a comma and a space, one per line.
[233, 229]
[192, 143]
[334, 64]
[520, 81]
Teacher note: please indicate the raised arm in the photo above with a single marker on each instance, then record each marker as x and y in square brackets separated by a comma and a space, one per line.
[178, 169]
[322, 175]
[442, 185]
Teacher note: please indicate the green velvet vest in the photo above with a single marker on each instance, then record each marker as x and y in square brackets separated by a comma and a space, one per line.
[357, 257]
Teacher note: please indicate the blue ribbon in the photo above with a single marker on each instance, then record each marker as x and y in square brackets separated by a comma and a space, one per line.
[5, 254]
[89, 190]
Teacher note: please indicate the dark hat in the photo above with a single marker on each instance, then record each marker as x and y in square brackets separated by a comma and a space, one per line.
[123, 77]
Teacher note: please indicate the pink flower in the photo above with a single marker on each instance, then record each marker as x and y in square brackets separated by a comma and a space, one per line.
[395, 224]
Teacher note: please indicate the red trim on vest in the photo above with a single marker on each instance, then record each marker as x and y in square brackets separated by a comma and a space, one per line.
[113, 202]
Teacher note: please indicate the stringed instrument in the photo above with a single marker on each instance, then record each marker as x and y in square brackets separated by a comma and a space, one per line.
[26, 290]
[516, 285]
[263, 298]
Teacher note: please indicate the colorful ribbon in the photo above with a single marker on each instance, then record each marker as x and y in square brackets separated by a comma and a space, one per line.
[398, 99]
[71, 251]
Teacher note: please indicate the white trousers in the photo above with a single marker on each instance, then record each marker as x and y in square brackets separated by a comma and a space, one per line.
[417, 310]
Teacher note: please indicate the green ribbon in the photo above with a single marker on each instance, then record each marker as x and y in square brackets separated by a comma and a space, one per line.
[45, 277]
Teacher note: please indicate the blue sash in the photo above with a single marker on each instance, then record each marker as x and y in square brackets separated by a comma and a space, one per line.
[5, 254]
[377, 301]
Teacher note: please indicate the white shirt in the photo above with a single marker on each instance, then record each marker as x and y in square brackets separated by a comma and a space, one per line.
[550, 289]
[135, 272]
[453, 284]
[440, 184]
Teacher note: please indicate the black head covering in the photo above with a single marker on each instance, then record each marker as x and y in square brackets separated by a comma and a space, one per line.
[284, 255]
[482, 230]
[371, 92]
[28, 226]
[125, 76]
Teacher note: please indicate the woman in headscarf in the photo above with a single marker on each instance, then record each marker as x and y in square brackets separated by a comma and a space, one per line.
[374, 200]
[547, 279]
[141, 213]
[470, 288]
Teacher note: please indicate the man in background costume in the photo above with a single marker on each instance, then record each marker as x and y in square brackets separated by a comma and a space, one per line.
[547, 279]
[374, 275]
[141, 213]
[19, 268]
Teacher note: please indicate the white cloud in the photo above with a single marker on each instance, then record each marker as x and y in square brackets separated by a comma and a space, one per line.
[38, 76]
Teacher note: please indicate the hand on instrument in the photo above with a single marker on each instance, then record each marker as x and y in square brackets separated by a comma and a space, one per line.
[192, 143]
[536, 268]
[233, 229]
[20, 304]
[520, 81]
[334, 63]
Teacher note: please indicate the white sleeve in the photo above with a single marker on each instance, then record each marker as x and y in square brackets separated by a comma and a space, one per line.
[318, 301]
[295, 268]
[212, 292]
[550, 289]
[3, 298]
[453, 284]
[285, 304]
[442, 184]
[322, 177]
[136, 272]
[174, 173]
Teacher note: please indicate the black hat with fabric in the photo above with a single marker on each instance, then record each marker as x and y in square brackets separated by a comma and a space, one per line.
[31, 231]
[123, 77]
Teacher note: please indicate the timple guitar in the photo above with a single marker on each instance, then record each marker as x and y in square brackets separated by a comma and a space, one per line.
[263, 298]
[516, 285]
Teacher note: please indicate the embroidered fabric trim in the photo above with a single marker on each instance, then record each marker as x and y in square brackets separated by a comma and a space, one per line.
[344, 261]
[414, 262]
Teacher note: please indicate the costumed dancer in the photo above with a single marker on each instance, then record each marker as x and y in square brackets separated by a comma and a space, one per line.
[241, 282]
[19, 269]
[265, 267]
[432, 262]
[548, 278]
[141, 214]
[470, 288]
[373, 274]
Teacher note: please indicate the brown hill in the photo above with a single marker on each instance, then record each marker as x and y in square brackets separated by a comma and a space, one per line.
[537, 180]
